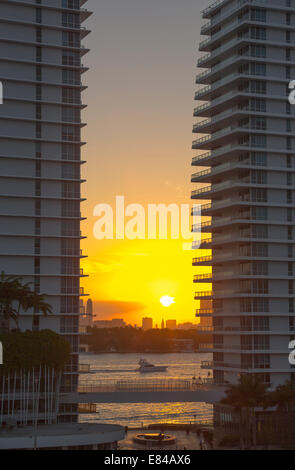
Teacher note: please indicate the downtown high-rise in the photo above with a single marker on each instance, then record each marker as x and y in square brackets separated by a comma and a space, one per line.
[41, 70]
[246, 160]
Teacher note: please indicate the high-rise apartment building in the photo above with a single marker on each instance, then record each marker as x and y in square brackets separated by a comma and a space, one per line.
[40, 161]
[246, 159]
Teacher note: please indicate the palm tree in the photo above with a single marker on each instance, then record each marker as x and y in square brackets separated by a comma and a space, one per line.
[245, 397]
[283, 397]
[9, 291]
[14, 293]
[38, 303]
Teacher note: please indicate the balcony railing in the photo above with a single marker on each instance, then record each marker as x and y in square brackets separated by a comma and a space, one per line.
[203, 294]
[219, 18]
[204, 311]
[202, 277]
[202, 259]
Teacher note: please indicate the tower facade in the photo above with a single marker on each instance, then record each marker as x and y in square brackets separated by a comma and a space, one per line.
[40, 161]
[246, 159]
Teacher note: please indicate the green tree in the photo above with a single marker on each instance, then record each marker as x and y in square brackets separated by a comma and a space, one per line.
[245, 396]
[16, 297]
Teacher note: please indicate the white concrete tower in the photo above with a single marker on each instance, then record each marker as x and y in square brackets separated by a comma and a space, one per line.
[248, 166]
[40, 160]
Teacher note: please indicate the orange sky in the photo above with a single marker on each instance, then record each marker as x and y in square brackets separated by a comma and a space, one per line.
[140, 98]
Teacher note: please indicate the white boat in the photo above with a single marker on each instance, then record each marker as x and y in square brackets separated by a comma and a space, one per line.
[146, 366]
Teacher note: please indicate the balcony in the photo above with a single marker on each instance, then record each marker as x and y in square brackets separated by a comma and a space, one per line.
[220, 18]
[201, 227]
[200, 295]
[203, 259]
[203, 277]
[206, 312]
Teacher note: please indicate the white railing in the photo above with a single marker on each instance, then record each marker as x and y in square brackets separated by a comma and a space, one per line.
[149, 385]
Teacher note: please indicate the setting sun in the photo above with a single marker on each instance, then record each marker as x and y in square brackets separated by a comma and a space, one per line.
[167, 301]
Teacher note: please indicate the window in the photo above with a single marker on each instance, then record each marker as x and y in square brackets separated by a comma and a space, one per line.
[38, 54]
[38, 111]
[71, 133]
[289, 143]
[258, 141]
[37, 265]
[258, 87]
[38, 34]
[70, 305]
[37, 246]
[261, 323]
[71, 96]
[260, 268]
[288, 54]
[70, 209]
[71, 77]
[71, 58]
[260, 231]
[260, 305]
[70, 190]
[38, 92]
[258, 159]
[37, 285]
[70, 285]
[261, 342]
[70, 171]
[260, 286]
[288, 73]
[70, 152]
[258, 123]
[71, 20]
[258, 104]
[288, 125]
[38, 188]
[260, 250]
[258, 69]
[37, 227]
[38, 130]
[38, 15]
[262, 361]
[38, 168]
[258, 33]
[289, 179]
[288, 36]
[258, 177]
[38, 207]
[245, 305]
[259, 195]
[259, 213]
[38, 73]
[289, 215]
[258, 51]
[288, 18]
[258, 14]
[70, 266]
[71, 4]
[71, 39]
[71, 114]
[69, 324]
[290, 234]
[289, 196]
